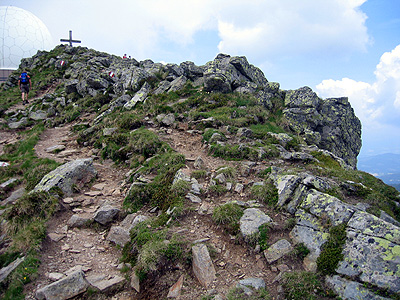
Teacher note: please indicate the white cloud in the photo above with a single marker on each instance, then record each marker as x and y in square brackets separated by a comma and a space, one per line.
[376, 104]
[286, 27]
[255, 28]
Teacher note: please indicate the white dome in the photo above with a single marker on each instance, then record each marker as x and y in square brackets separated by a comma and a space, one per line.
[22, 35]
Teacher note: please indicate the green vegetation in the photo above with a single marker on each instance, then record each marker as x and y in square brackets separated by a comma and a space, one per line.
[331, 251]
[240, 294]
[150, 246]
[304, 285]
[300, 251]
[228, 215]
[364, 187]
[266, 193]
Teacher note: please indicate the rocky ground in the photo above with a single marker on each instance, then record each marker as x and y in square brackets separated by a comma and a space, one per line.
[67, 248]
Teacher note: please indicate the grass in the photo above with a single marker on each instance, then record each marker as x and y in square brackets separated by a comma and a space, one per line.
[240, 294]
[149, 246]
[304, 285]
[228, 215]
[331, 251]
[266, 193]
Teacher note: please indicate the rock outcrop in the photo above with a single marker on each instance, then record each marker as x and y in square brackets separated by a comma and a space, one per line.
[329, 124]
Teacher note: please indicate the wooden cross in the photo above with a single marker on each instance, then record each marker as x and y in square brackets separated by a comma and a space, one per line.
[70, 40]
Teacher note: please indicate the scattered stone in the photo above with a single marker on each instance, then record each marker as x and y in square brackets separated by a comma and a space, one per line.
[55, 237]
[78, 221]
[277, 250]
[68, 200]
[193, 198]
[55, 149]
[175, 290]
[199, 163]
[135, 282]
[38, 115]
[18, 124]
[109, 131]
[256, 283]
[93, 193]
[239, 188]
[203, 267]
[6, 186]
[119, 235]
[55, 276]
[99, 186]
[106, 214]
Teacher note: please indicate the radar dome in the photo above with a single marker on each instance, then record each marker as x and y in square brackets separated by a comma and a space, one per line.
[22, 35]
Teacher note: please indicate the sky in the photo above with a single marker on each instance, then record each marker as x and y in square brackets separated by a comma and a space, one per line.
[337, 47]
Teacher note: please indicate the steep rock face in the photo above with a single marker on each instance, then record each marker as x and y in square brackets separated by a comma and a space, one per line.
[329, 124]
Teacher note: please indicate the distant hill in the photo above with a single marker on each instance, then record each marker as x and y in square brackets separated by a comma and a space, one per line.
[384, 166]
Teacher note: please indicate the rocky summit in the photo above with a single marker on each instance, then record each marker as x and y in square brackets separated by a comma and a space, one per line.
[125, 179]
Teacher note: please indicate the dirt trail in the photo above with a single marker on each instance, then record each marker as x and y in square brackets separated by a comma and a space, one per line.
[65, 248]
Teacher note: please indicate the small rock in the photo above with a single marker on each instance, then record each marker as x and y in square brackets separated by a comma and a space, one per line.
[277, 250]
[55, 237]
[175, 290]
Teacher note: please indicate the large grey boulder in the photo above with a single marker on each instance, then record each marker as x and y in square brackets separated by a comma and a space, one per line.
[333, 120]
[74, 173]
[372, 252]
[251, 220]
[351, 290]
[65, 288]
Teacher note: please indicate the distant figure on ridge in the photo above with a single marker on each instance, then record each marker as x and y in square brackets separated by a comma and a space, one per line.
[24, 84]
[124, 56]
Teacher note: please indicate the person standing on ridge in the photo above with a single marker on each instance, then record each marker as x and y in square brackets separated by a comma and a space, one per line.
[24, 84]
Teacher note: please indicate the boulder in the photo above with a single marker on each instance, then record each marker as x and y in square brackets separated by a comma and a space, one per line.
[203, 267]
[277, 250]
[74, 173]
[251, 220]
[106, 214]
[351, 290]
[63, 289]
[5, 271]
[104, 284]
[372, 252]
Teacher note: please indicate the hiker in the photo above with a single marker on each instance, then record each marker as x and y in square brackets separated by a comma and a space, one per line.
[24, 84]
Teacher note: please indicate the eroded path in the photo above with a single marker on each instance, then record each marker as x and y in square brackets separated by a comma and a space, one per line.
[66, 248]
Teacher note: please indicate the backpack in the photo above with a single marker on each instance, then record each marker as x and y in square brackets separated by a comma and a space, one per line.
[24, 78]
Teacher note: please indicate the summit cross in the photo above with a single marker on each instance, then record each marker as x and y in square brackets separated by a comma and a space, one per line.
[70, 40]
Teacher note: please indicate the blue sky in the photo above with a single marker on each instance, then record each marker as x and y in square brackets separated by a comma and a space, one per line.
[337, 47]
